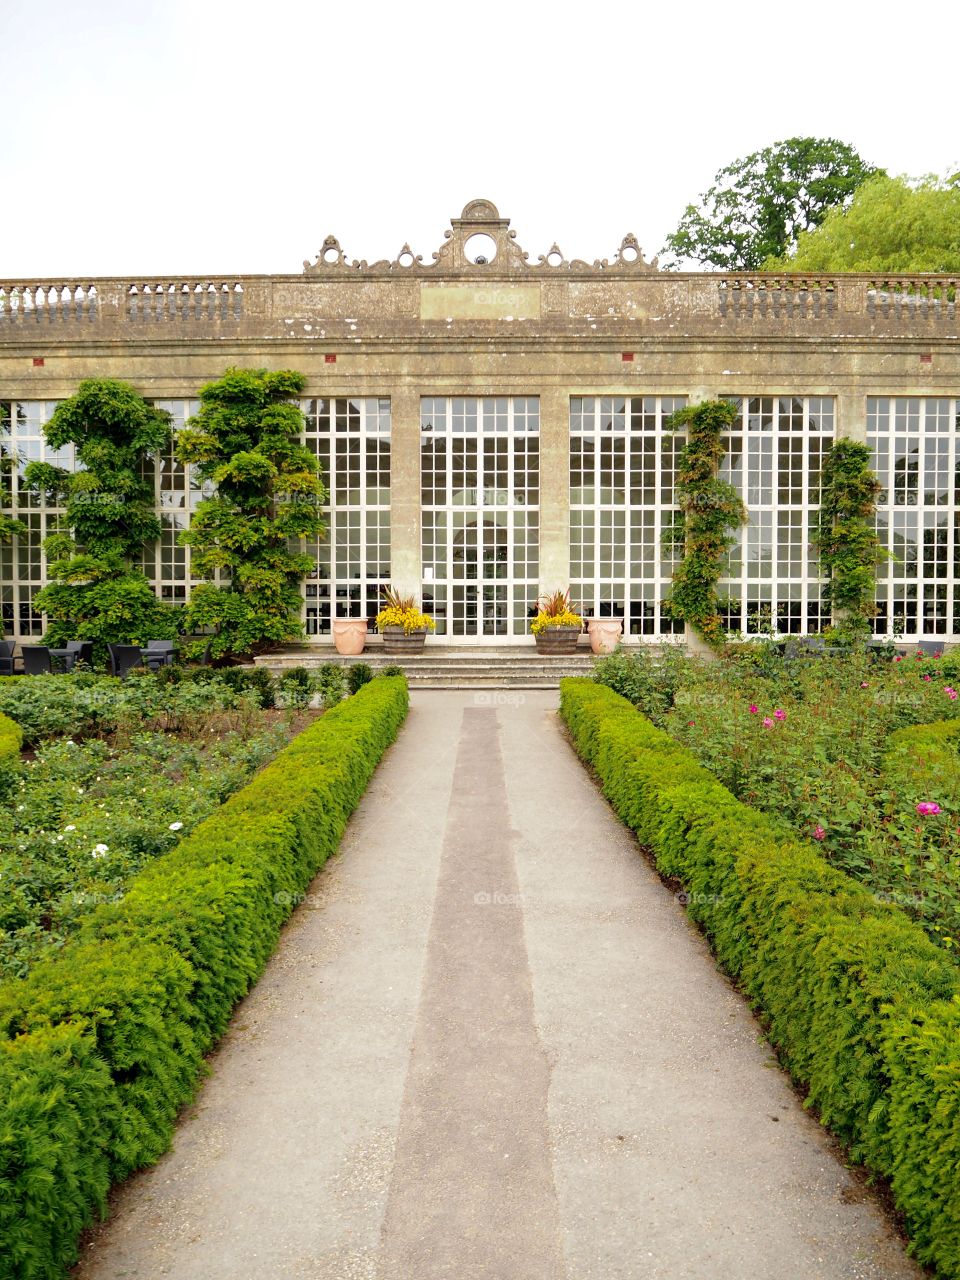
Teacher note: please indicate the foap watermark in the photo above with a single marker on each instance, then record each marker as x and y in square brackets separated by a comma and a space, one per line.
[498, 698]
[686, 898]
[497, 899]
[284, 899]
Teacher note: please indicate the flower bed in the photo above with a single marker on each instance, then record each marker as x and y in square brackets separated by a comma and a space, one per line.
[831, 749]
[863, 1008]
[82, 818]
[104, 1043]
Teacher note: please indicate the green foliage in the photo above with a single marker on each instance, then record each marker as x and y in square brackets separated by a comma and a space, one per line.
[93, 592]
[113, 607]
[760, 204]
[85, 816]
[296, 687]
[891, 225]
[11, 740]
[359, 674]
[246, 439]
[110, 1036]
[863, 1009]
[10, 526]
[846, 538]
[330, 681]
[710, 510]
[649, 681]
[392, 670]
[83, 705]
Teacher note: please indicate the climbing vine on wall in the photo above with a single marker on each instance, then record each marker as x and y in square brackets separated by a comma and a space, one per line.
[710, 510]
[846, 538]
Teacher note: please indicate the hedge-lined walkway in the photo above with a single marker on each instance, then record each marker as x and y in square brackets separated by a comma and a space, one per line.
[491, 1046]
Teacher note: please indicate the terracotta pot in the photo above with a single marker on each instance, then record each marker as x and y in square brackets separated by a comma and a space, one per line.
[395, 640]
[350, 635]
[558, 640]
[604, 633]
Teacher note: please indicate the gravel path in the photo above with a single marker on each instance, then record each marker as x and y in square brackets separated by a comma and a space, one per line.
[491, 1047]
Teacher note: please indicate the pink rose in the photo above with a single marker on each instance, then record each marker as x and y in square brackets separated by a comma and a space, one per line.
[767, 722]
[754, 708]
[927, 808]
[819, 833]
[780, 714]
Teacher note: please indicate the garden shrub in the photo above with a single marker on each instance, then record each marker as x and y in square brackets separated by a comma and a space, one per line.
[104, 1043]
[296, 688]
[330, 682]
[358, 675]
[863, 1008]
[11, 740]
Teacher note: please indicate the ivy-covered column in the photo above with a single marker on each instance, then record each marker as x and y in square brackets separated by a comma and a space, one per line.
[846, 538]
[711, 510]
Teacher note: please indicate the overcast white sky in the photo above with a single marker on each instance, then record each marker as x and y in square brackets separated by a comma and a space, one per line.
[161, 136]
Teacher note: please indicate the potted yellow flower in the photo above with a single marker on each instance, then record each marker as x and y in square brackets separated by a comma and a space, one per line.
[402, 624]
[557, 625]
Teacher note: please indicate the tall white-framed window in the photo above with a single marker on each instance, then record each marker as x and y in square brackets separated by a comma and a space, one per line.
[774, 456]
[480, 498]
[351, 438]
[23, 565]
[915, 456]
[622, 471]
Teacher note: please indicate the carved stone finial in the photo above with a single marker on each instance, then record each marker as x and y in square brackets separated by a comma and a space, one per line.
[330, 255]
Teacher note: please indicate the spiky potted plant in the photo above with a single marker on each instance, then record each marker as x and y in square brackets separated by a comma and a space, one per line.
[557, 625]
[402, 624]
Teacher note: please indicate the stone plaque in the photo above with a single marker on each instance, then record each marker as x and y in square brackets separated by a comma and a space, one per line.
[494, 301]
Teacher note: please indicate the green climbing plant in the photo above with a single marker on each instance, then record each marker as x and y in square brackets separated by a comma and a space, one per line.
[710, 510]
[846, 538]
[96, 591]
[246, 441]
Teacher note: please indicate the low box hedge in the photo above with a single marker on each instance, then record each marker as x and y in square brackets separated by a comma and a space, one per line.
[864, 1009]
[102, 1045]
[11, 740]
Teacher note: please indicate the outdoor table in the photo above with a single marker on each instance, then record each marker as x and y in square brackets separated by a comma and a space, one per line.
[66, 656]
[155, 658]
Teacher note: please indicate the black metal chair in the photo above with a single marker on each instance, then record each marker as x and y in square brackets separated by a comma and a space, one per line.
[80, 651]
[36, 660]
[6, 657]
[123, 658]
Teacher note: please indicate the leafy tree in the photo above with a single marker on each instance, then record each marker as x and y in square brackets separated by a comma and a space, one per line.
[95, 592]
[892, 224]
[759, 205]
[710, 508]
[246, 439]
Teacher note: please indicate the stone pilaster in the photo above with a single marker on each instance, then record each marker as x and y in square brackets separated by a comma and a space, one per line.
[405, 522]
[554, 489]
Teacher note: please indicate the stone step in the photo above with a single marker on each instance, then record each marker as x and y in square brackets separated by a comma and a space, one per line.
[450, 667]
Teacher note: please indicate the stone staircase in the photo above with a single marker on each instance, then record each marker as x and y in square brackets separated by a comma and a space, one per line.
[443, 666]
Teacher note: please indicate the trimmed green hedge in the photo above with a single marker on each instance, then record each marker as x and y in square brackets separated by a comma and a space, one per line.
[11, 740]
[863, 1008]
[104, 1044]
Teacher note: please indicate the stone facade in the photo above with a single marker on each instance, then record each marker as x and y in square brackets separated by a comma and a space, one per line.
[495, 326]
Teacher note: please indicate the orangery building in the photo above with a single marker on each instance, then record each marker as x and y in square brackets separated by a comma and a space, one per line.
[491, 424]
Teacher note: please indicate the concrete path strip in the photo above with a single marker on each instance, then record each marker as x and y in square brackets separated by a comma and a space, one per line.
[491, 1046]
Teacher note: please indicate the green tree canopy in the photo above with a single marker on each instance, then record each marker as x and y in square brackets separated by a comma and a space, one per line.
[892, 224]
[246, 439]
[95, 591]
[759, 205]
